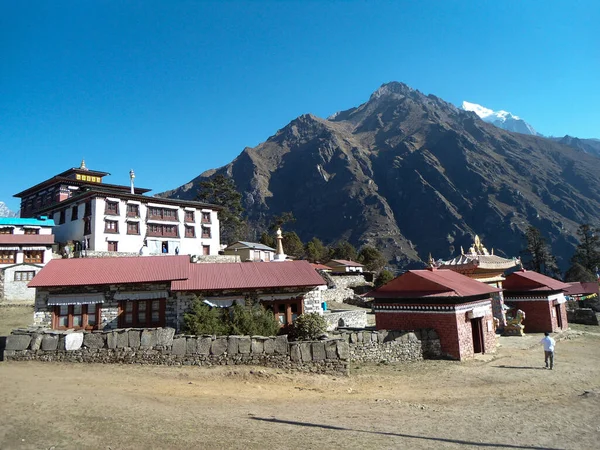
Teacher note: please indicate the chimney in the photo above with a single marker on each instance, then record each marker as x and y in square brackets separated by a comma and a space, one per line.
[131, 177]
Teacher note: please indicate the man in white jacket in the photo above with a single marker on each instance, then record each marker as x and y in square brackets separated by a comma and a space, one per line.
[548, 344]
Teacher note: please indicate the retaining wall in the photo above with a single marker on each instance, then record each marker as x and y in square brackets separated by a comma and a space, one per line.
[585, 316]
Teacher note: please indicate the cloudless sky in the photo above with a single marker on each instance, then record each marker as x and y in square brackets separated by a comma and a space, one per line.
[174, 88]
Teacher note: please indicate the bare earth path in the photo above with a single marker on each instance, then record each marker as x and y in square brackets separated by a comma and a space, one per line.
[505, 402]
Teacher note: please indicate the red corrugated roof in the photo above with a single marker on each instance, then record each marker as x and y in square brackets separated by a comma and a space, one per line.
[320, 266]
[27, 239]
[344, 262]
[94, 271]
[528, 280]
[432, 283]
[207, 277]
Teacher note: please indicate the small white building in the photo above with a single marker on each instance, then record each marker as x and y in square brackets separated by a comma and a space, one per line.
[250, 251]
[102, 218]
[344, 266]
[25, 247]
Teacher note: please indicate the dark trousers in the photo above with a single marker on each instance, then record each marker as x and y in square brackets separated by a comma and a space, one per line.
[549, 357]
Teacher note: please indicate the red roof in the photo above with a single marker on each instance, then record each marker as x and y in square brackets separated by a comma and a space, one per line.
[344, 262]
[528, 280]
[320, 266]
[432, 283]
[582, 288]
[28, 239]
[207, 277]
[95, 271]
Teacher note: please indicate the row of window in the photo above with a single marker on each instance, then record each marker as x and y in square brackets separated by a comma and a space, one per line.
[155, 230]
[29, 256]
[10, 230]
[137, 314]
[24, 275]
[75, 213]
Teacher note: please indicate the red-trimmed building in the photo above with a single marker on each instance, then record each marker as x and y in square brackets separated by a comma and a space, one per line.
[456, 306]
[541, 298]
[156, 291]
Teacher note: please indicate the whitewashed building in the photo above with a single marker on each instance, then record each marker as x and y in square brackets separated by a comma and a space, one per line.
[95, 218]
[25, 247]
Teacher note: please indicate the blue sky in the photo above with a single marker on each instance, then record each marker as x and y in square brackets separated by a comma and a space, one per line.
[173, 88]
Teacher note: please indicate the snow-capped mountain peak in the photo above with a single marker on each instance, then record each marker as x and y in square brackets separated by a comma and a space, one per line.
[502, 119]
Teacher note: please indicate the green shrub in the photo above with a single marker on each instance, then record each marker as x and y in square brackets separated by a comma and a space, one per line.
[309, 327]
[384, 277]
[202, 319]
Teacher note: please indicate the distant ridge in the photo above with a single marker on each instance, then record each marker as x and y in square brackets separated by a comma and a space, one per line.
[5, 212]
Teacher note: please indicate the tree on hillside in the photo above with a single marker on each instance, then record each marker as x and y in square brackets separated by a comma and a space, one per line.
[587, 253]
[316, 251]
[536, 255]
[384, 277]
[220, 190]
[579, 273]
[292, 245]
[268, 240]
[371, 258]
[279, 221]
[344, 250]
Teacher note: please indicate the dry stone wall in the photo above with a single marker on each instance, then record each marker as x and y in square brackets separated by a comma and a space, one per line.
[162, 346]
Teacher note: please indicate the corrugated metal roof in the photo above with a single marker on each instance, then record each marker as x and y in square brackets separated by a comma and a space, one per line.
[96, 271]
[27, 239]
[432, 283]
[18, 221]
[253, 245]
[344, 262]
[320, 266]
[529, 280]
[206, 277]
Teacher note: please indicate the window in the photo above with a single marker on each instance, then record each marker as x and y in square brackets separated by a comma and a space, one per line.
[75, 316]
[33, 256]
[61, 219]
[206, 232]
[162, 214]
[88, 209]
[111, 226]
[6, 230]
[87, 226]
[190, 232]
[22, 275]
[133, 210]
[133, 228]
[113, 246]
[111, 208]
[162, 230]
[142, 313]
[189, 216]
[205, 217]
[74, 212]
[31, 231]
[206, 249]
[286, 312]
[7, 256]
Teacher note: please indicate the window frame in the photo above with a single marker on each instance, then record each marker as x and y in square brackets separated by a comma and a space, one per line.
[189, 216]
[206, 233]
[190, 231]
[115, 244]
[111, 208]
[133, 228]
[135, 311]
[33, 256]
[74, 213]
[31, 231]
[5, 256]
[7, 230]
[62, 216]
[108, 229]
[133, 210]
[70, 316]
[206, 217]
[19, 275]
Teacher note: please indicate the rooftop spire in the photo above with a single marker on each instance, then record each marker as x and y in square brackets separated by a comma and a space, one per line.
[82, 166]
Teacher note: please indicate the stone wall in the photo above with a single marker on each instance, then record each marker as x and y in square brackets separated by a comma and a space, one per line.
[585, 316]
[162, 346]
[354, 318]
[391, 346]
[202, 259]
[349, 281]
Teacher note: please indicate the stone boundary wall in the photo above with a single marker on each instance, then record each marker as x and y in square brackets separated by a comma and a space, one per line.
[391, 346]
[351, 318]
[162, 346]
[349, 281]
[585, 316]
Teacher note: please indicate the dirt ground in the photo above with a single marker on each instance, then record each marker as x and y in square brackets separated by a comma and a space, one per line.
[12, 317]
[502, 401]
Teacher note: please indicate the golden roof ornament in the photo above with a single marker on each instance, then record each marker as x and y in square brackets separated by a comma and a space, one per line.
[82, 166]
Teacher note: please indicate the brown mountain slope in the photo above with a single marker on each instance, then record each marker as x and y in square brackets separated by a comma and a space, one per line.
[413, 174]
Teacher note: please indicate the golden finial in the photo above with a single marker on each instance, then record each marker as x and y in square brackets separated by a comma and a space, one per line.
[82, 167]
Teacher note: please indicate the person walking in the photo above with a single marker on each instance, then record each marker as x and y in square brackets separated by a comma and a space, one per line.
[548, 344]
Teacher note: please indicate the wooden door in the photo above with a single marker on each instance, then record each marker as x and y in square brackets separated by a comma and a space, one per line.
[477, 329]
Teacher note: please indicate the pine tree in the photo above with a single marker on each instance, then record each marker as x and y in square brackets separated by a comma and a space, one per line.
[536, 255]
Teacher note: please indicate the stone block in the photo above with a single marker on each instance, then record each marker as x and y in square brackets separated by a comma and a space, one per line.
[269, 346]
[17, 342]
[305, 352]
[73, 341]
[244, 345]
[258, 346]
[233, 345]
[218, 346]
[343, 350]
[36, 341]
[94, 340]
[134, 339]
[330, 349]
[149, 339]
[164, 336]
[111, 339]
[359, 337]
[122, 339]
[412, 337]
[281, 344]
[50, 342]
[61, 342]
[179, 346]
[382, 335]
[204, 345]
[367, 336]
[318, 351]
[353, 338]
[191, 345]
[295, 355]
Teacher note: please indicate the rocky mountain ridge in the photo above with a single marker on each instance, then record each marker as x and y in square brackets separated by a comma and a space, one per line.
[5, 212]
[413, 175]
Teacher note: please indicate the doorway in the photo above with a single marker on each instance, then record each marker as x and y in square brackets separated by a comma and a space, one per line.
[477, 329]
[558, 316]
